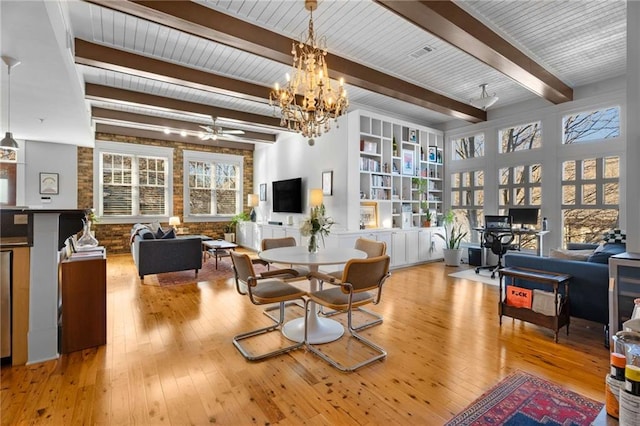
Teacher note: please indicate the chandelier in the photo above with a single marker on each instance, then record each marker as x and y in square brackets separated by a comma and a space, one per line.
[484, 101]
[308, 101]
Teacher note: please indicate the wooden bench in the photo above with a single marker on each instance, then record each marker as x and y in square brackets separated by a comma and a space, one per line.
[552, 279]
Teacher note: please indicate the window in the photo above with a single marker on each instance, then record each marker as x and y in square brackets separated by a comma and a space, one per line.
[591, 125]
[520, 138]
[213, 184]
[467, 200]
[590, 197]
[520, 186]
[132, 181]
[468, 147]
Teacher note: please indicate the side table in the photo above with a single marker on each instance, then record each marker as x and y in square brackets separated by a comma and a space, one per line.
[554, 322]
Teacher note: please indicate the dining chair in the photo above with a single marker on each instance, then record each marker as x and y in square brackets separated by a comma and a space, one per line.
[263, 290]
[271, 243]
[361, 284]
[373, 248]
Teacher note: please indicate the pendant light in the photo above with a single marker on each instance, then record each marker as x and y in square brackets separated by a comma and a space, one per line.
[8, 142]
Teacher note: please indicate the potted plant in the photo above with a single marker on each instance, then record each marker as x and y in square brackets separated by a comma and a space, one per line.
[230, 228]
[452, 237]
[427, 214]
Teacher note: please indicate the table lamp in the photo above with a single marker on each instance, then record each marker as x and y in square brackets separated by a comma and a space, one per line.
[174, 221]
[315, 197]
[252, 201]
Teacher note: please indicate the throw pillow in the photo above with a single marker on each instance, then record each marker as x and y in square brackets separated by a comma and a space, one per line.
[607, 251]
[160, 233]
[617, 236]
[570, 254]
[169, 234]
[146, 234]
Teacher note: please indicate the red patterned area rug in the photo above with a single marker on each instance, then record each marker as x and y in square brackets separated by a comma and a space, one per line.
[207, 273]
[523, 400]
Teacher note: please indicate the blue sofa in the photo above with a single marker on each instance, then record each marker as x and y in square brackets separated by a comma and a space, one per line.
[156, 255]
[588, 289]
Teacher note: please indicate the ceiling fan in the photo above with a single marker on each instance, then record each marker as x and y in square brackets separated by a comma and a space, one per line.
[213, 132]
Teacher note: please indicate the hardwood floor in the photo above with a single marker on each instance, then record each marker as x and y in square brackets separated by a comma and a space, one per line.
[169, 359]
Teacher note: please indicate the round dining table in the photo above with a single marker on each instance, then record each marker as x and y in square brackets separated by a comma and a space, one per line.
[321, 330]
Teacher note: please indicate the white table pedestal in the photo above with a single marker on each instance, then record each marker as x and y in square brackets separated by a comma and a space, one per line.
[321, 330]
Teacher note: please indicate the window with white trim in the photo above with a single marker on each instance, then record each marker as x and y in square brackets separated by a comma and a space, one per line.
[520, 138]
[132, 182]
[588, 126]
[468, 147]
[212, 184]
[520, 186]
[590, 198]
[467, 200]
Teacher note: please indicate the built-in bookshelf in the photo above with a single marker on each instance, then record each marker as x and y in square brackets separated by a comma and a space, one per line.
[401, 169]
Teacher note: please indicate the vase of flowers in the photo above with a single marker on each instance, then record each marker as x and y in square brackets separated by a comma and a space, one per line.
[316, 227]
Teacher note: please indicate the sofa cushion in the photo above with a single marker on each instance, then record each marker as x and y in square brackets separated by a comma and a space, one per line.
[570, 254]
[608, 250]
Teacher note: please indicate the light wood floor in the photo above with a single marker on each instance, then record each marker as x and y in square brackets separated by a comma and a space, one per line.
[169, 360]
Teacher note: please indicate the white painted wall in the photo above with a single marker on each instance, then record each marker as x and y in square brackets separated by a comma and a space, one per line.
[51, 158]
[292, 157]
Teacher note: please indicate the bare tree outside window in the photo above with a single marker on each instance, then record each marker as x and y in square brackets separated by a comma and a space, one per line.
[520, 138]
[469, 147]
[591, 125]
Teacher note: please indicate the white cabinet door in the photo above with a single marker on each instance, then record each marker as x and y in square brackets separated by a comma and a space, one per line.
[438, 243]
[411, 247]
[424, 244]
[398, 248]
[293, 232]
[245, 234]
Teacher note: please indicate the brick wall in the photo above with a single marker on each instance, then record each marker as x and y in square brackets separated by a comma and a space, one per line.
[115, 237]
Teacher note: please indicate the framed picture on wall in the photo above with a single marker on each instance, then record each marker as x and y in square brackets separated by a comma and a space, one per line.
[263, 192]
[327, 183]
[407, 162]
[48, 183]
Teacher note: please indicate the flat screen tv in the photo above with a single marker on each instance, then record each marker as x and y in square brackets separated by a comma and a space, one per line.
[287, 196]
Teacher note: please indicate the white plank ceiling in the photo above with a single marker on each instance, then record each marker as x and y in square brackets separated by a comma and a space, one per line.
[581, 42]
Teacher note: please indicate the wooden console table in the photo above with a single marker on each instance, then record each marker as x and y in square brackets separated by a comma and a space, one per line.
[554, 322]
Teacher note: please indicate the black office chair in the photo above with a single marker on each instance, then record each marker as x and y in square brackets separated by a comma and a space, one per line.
[499, 241]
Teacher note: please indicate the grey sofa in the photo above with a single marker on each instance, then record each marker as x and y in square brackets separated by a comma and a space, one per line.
[154, 256]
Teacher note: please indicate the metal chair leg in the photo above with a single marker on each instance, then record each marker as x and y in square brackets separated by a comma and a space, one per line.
[377, 318]
[274, 327]
[381, 353]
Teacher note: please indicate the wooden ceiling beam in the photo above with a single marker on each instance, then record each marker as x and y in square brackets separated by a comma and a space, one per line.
[122, 117]
[99, 56]
[449, 22]
[101, 93]
[201, 21]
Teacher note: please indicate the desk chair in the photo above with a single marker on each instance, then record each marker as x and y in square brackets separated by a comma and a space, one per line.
[263, 291]
[361, 284]
[499, 241]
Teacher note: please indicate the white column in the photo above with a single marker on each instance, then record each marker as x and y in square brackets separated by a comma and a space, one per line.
[43, 289]
[632, 192]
